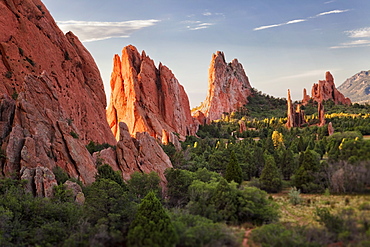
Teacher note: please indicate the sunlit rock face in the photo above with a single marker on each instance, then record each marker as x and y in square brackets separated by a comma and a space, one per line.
[147, 98]
[52, 100]
[326, 90]
[228, 89]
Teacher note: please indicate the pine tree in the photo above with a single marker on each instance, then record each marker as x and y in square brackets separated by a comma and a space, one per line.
[151, 226]
[270, 176]
[233, 170]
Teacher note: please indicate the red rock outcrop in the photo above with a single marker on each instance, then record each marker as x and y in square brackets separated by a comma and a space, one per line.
[228, 87]
[146, 98]
[140, 154]
[326, 90]
[295, 118]
[52, 100]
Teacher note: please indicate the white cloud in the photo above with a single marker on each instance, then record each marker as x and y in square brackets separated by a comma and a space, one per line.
[332, 1]
[352, 44]
[199, 26]
[281, 24]
[359, 33]
[266, 27]
[88, 31]
[337, 11]
[300, 20]
[295, 21]
[207, 13]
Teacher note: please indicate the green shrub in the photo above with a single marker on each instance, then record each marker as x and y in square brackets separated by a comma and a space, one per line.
[93, 147]
[60, 175]
[197, 231]
[74, 134]
[294, 196]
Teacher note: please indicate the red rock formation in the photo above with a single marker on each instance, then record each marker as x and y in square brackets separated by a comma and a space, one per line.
[295, 118]
[200, 118]
[52, 101]
[321, 114]
[147, 99]
[330, 129]
[228, 87]
[326, 90]
[41, 181]
[140, 154]
[242, 126]
[306, 97]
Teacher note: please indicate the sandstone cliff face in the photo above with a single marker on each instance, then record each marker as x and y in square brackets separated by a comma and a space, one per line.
[52, 101]
[146, 98]
[228, 88]
[326, 90]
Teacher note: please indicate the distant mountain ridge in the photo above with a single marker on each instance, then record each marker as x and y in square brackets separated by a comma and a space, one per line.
[357, 87]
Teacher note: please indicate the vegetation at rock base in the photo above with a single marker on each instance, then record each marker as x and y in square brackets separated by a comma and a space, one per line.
[219, 185]
[152, 226]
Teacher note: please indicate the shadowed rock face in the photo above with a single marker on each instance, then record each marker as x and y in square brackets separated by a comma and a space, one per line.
[326, 90]
[146, 98]
[228, 88]
[52, 100]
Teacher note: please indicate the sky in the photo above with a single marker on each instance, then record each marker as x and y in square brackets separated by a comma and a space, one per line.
[282, 44]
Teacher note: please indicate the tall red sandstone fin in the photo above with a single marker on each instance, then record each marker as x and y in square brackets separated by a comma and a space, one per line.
[321, 114]
[48, 81]
[228, 87]
[290, 112]
[147, 98]
[295, 118]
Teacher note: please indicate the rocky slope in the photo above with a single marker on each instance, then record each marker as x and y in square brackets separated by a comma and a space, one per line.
[325, 90]
[147, 99]
[357, 87]
[140, 154]
[228, 88]
[52, 102]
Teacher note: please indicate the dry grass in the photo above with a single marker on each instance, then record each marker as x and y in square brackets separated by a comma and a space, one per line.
[304, 213]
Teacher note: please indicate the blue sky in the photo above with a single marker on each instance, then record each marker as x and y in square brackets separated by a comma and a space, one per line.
[282, 44]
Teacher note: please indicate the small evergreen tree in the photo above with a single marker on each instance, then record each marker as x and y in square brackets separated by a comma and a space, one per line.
[233, 170]
[151, 226]
[270, 176]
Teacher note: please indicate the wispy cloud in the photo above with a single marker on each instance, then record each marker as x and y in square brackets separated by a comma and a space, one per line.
[88, 31]
[203, 20]
[360, 35]
[197, 25]
[332, 1]
[337, 11]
